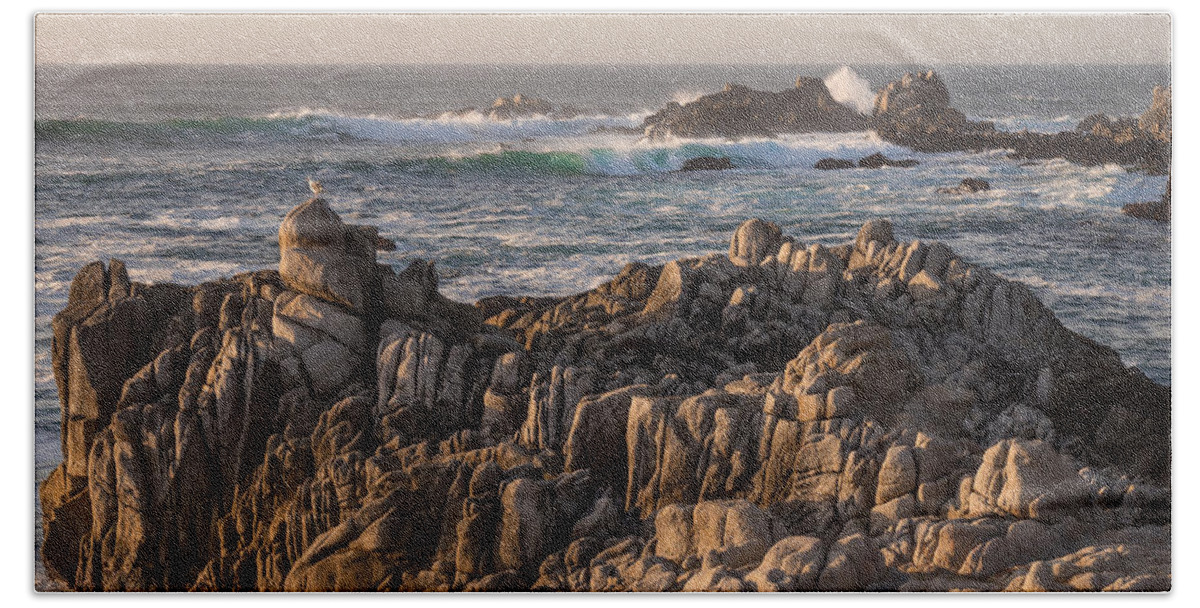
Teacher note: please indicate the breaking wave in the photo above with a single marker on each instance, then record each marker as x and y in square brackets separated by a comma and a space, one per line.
[850, 89]
[325, 124]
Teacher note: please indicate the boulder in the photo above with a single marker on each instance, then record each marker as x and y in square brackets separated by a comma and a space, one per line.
[852, 565]
[1026, 478]
[792, 564]
[518, 106]
[322, 257]
[753, 241]
[728, 533]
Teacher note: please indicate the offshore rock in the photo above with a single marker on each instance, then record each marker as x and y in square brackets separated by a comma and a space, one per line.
[739, 111]
[916, 112]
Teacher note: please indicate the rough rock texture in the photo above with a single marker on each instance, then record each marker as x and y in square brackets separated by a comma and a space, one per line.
[875, 415]
[739, 111]
[1156, 121]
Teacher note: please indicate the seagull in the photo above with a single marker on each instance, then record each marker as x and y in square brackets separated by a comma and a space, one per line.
[315, 186]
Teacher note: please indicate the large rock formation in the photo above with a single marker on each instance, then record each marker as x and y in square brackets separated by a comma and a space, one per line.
[877, 415]
[916, 112]
[739, 111]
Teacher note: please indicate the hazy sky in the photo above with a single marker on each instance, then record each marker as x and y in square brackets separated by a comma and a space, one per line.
[672, 39]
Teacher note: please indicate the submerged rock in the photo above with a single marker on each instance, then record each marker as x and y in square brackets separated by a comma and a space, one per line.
[968, 185]
[706, 163]
[831, 164]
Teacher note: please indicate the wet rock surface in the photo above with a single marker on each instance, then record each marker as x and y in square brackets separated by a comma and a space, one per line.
[787, 416]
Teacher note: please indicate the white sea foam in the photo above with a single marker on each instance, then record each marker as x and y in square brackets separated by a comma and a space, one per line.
[850, 89]
[685, 97]
[220, 223]
[452, 128]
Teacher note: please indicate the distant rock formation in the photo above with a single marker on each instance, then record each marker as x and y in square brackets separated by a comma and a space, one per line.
[1156, 121]
[739, 111]
[518, 106]
[915, 111]
[876, 415]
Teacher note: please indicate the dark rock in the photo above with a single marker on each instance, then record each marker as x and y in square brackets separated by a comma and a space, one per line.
[707, 163]
[968, 185]
[518, 105]
[829, 164]
[878, 160]
[739, 111]
[915, 112]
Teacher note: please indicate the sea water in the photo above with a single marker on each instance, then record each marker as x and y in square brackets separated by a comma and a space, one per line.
[184, 173]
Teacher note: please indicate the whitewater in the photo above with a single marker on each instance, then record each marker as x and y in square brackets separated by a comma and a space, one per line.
[189, 184]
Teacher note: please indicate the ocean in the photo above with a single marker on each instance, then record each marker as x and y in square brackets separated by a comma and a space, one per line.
[184, 172]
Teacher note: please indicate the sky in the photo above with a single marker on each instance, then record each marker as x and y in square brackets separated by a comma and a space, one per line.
[832, 38]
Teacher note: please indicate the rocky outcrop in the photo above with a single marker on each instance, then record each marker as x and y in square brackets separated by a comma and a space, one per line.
[875, 415]
[738, 111]
[916, 112]
[1156, 121]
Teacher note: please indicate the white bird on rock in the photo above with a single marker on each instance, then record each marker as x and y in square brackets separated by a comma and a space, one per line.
[315, 186]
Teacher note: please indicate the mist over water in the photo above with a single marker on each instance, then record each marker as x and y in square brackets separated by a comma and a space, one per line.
[185, 174]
